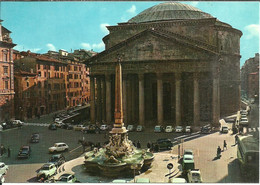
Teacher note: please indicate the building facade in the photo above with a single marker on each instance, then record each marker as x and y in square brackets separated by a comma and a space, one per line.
[250, 78]
[180, 67]
[6, 75]
[40, 85]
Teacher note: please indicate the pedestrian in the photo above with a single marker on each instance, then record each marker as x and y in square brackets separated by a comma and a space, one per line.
[149, 145]
[218, 151]
[8, 152]
[152, 147]
[236, 138]
[224, 145]
[138, 144]
[2, 149]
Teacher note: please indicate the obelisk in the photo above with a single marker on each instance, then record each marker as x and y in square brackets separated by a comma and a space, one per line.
[119, 125]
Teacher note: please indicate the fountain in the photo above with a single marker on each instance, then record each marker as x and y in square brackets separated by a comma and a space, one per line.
[119, 156]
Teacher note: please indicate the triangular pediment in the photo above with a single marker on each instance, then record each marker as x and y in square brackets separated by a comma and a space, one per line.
[152, 45]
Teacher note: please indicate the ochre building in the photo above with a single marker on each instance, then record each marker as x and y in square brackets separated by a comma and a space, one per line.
[6, 75]
[181, 66]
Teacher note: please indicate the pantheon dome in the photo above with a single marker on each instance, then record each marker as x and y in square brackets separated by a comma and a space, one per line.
[181, 66]
[169, 11]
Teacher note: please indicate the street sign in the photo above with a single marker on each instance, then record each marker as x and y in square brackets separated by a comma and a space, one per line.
[170, 166]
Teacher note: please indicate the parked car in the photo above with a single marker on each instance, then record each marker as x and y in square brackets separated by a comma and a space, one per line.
[2, 178]
[188, 129]
[178, 180]
[142, 180]
[168, 129]
[57, 160]
[244, 122]
[187, 163]
[67, 126]
[46, 171]
[91, 129]
[35, 138]
[188, 152]
[103, 127]
[3, 168]
[205, 130]
[79, 127]
[59, 123]
[52, 127]
[164, 143]
[58, 147]
[158, 128]
[24, 152]
[140, 128]
[178, 129]
[17, 122]
[224, 129]
[67, 178]
[194, 176]
[119, 181]
[130, 128]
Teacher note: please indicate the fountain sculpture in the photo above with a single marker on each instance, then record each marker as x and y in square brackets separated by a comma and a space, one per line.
[119, 157]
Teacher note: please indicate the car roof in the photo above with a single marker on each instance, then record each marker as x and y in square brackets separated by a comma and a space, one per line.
[59, 143]
[2, 163]
[66, 175]
[188, 156]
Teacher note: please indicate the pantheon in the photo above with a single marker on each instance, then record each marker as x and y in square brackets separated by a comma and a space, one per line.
[180, 65]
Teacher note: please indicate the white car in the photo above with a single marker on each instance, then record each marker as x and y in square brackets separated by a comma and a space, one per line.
[58, 147]
[67, 178]
[244, 121]
[17, 122]
[194, 176]
[59, 123]
[168, 129]
[188, 129]
[178, 129]
[224, 129]
[79, 127]
[103, 127]
[3, 168]
[47, 170]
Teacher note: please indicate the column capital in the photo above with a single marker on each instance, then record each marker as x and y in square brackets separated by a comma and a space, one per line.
[159, 75]
[196, 75]
[141, 76]
[178, 76]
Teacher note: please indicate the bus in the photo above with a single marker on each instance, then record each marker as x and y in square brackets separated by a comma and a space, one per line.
[248, 156]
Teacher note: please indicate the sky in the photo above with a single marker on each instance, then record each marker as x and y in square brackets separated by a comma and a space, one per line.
[43, 26]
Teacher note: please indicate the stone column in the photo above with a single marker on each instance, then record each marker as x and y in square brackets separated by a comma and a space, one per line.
[108, 98]
[125, 98]
[159, 99]
[196, 101]
[92, 100]
[103, 103]
[99, 108]
[178, 97]
[129, 99]
[215, 99]
[141, 98]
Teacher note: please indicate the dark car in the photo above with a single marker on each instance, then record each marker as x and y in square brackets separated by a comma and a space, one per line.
[205, 130]
[24, 152]
[158, 128]
[164, 144]
[35, 138]
[67, 126]
[57, 160]
[52, 127]
[91, 129]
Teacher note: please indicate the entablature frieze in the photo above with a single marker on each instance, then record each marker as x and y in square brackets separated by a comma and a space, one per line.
[153, 67]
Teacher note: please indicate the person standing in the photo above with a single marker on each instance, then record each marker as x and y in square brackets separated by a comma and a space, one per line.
[8, 152]
[224, 145]
[138, 144]
[149, 145]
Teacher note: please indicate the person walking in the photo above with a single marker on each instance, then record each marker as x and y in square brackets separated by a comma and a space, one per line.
[149, 145]
[2, 149]
[8, 152]
[224, 145]
[138, 144]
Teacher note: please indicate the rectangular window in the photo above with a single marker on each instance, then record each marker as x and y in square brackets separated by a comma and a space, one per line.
[75, 68]
[39, 66]
[56, 68]
[61, 75]
[44, 67]
[39, 74]
[5, 57]
[45, 74]
[5, 70]
[6, 84]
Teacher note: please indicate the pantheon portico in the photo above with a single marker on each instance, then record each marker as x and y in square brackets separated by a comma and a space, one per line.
[180, 67]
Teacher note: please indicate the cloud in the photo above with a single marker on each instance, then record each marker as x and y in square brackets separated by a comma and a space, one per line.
[100, 46]
[132, 10]
[253, 30]
[104, 28]
[51, 47]
[24, 48]
[194, 3]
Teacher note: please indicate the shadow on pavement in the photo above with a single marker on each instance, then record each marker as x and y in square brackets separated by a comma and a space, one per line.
[33, 179]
